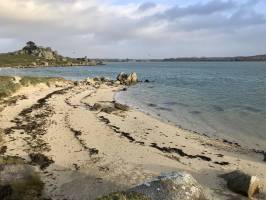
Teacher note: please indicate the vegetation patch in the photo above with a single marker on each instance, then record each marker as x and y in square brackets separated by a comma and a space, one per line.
[9, 85]
[124, 196]
[26, 81]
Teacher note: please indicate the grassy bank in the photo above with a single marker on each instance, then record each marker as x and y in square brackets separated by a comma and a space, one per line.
[13, 60]
[9, 85]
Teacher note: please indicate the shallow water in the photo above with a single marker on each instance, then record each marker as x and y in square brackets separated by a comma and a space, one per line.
[225, 99]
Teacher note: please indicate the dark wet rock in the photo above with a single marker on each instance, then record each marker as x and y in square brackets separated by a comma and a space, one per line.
[93, 151]
[124, 89]
[121, 106]
[195, 112]
[251, 109]
[127, 79]
[108, 109]
[218, 108]
[163, 108]
[152, 105]
[97, 106]
[146, 81]
[3, 150]
[5, 192]
[41, 160]
[242, 183]
[97, 79]
[177, 185]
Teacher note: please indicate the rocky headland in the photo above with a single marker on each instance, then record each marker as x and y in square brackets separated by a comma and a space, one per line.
[72, 140]
[33, 55]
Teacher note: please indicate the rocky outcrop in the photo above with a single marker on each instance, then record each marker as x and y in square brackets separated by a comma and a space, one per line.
[32, 49]
[177, 185]
[242, 183]
[127, 79]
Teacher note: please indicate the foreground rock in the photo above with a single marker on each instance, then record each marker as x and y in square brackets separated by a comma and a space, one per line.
[242, 183]
[18, 180]
[178, 185]
[127, 79]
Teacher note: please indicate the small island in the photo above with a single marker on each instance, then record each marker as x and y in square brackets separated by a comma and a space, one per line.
[37, 56]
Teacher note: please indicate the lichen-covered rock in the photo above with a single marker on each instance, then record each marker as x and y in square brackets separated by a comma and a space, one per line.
[127, 79]
[174, 186]
[242, 183]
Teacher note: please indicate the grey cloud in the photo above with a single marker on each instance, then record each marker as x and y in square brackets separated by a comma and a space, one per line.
[101, 31]
[146, 6]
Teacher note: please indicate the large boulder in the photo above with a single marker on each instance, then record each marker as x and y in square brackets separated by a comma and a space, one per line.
[177, 185]
[242, 183]
[127, 79]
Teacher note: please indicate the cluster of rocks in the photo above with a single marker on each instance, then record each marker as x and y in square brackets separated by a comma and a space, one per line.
[42, 52]
[127, 79]
[181, 185]
[122, 79]
[48, 57]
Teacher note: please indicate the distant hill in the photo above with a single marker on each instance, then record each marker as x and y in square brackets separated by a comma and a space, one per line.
[195, 59]
[222, 59]
[36, 56]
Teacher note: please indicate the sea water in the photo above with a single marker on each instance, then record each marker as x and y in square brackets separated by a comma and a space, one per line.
[222, 99]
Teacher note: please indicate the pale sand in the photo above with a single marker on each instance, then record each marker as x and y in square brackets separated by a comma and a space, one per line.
[96, 153]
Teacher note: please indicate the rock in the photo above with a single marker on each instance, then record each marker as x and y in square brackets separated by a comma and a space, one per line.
[97, 107]
[19, 181]
[3, 150]
[5, 191]
[121, 106]
[132, 78]
[127, 79]
[177, 185]
[46, 64]
[76, 83]
[41, 160]
[146, 81]
[15, 173]
[108, 109]
[89, 81]
[242, 183]
[34, 64]
[97, 79]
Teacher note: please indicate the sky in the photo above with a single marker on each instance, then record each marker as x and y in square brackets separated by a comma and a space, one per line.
[136, 29]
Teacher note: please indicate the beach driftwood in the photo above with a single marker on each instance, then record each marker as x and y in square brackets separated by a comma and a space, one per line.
[242, 183]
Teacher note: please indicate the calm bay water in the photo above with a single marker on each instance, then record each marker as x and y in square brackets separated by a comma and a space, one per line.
[225, 99]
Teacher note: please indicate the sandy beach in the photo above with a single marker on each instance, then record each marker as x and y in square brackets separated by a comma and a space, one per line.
[94, 152]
